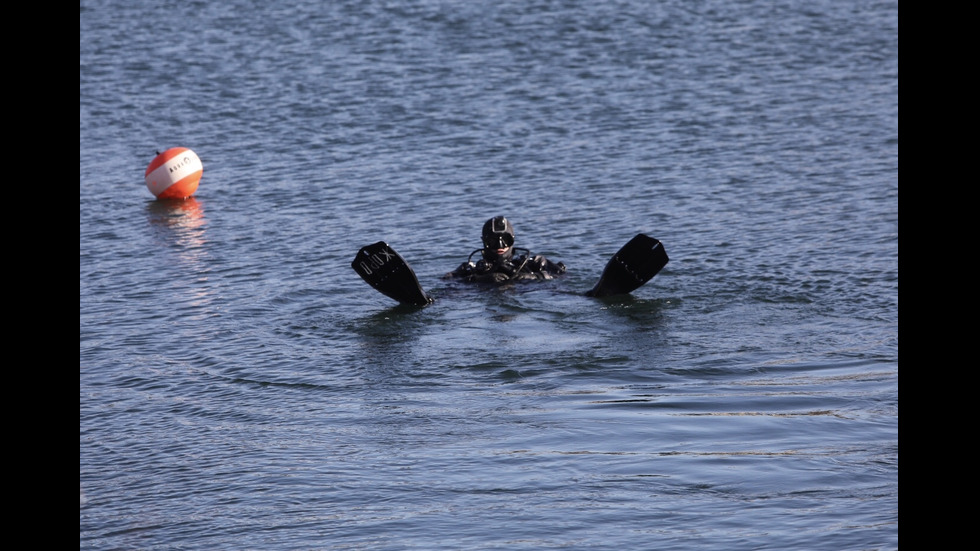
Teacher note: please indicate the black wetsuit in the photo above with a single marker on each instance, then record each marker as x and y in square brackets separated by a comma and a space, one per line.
[520, 267]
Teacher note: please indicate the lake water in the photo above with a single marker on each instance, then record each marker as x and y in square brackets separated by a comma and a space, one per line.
[240, 387]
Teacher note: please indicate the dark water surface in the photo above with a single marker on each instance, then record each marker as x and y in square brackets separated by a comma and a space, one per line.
[240, 387]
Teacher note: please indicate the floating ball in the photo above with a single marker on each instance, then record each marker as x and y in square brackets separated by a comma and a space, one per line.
[174, 174]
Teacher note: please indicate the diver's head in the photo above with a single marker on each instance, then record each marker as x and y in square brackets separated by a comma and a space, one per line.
[498, 239]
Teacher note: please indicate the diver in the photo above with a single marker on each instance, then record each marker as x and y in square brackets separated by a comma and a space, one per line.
[499, 264]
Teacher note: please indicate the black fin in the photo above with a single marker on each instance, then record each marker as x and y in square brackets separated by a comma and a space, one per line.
[385, 270]
[635, 264]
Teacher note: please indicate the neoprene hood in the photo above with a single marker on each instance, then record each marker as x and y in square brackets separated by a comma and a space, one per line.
[498, 232]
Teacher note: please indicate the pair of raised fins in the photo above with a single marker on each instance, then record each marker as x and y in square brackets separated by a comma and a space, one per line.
[633, 265]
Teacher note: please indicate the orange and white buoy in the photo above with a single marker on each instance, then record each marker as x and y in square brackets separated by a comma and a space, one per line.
[174, 174]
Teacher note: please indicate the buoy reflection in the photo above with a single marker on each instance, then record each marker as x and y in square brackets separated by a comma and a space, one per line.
[182, 219]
